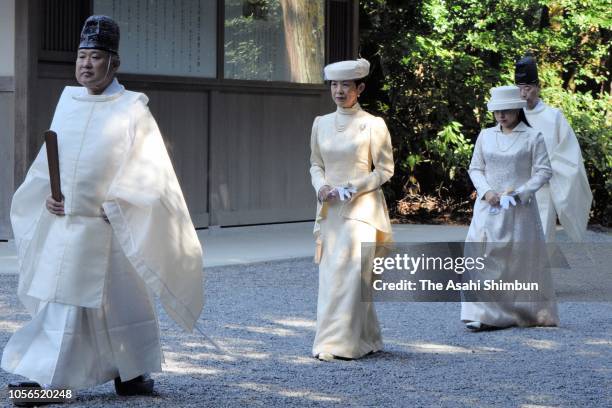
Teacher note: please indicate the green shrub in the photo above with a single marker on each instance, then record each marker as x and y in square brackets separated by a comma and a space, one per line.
[435, 62]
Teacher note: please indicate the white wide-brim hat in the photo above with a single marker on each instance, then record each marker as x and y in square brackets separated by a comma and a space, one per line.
[347, 70]
[506, 97]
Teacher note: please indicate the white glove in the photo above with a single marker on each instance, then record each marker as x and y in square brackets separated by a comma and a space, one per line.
[506, 201]
[345, 193]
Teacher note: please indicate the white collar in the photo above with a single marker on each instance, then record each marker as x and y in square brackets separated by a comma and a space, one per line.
[540, 106]
[112, 91]
[349, 111]
[521, 127]
[113, 88]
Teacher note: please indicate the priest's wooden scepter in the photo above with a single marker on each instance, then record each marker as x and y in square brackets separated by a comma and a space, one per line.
[53, 160]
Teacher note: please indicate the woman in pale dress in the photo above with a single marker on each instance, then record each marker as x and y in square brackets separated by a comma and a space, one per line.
[351, 209]
[508, 166]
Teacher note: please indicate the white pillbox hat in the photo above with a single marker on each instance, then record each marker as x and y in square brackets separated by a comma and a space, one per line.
[347, 70]
[506, 97]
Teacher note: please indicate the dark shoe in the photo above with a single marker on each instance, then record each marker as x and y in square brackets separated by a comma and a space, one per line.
[29, 384]
[24, 384]
[478, 327]
[34, 403]
[141, 385]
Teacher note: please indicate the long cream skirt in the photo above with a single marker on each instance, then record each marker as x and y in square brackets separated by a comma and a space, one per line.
[346, 326]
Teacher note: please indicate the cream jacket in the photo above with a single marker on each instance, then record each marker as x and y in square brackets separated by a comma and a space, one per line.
[352, 148]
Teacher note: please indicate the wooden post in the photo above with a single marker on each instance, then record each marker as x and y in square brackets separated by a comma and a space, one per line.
[26, 60]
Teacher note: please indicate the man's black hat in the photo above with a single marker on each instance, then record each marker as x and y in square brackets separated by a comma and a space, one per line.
[526, 71]
[101, 33]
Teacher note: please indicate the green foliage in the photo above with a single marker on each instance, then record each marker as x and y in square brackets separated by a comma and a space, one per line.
[436, 60]
[451, 151]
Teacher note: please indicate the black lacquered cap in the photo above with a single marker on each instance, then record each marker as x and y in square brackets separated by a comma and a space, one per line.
[101, 33]
[526, 71]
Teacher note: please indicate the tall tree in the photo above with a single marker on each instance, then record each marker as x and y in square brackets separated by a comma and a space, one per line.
[303, 23]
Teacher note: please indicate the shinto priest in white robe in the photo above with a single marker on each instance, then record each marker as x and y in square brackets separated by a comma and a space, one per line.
[86, 282]
[568, 193]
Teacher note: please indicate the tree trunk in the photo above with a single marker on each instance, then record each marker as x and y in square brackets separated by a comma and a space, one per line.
[303, 23]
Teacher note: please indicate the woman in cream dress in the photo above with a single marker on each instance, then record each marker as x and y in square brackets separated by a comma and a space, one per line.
[508, 166]
[345, 145]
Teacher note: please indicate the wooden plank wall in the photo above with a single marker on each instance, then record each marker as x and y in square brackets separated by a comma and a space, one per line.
[182, 117]
[7, 149]
[43, 104]
[260, 148]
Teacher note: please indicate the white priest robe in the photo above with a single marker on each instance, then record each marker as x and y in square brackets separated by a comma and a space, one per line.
[568, 194]
[86, 282]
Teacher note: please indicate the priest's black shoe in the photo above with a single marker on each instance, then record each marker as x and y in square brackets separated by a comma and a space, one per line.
[24, 384]
[19, 402]
[141, 385]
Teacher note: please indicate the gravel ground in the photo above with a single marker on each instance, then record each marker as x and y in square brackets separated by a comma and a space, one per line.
[264, 315]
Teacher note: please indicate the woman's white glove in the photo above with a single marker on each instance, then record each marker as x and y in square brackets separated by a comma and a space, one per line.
[505, 202]
[345, 193]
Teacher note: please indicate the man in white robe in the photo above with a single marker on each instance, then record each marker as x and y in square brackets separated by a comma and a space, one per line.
[568, 194]
[89, 263]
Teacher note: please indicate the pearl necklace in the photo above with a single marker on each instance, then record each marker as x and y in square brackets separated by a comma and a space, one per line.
[349, 112]
[516, 137]
[339, 128]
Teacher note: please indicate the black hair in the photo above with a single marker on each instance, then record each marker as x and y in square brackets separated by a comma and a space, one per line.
[361, 80]
[358, 81]
[523, 118]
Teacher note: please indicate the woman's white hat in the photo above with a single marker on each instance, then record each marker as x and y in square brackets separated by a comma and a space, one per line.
[506, 97]
[347, 70]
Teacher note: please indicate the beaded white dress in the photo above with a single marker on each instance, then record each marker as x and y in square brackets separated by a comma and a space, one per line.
[514, 238]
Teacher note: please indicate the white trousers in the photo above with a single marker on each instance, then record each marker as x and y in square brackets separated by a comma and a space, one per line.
[74, 347]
